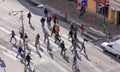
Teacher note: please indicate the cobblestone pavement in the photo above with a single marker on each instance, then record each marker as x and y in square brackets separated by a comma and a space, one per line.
[92, 20]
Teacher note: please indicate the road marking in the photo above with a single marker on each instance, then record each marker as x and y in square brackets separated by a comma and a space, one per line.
[53, 42]
[8, 52]
[8, 32]
[92, 65]
[12, 57]
[44, 47]
[55, 63]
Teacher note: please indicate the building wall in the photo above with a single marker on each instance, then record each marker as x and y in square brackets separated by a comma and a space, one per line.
[111, 15]
[91, 5]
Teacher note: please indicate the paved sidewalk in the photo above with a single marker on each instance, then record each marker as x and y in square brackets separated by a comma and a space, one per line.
[91, 20]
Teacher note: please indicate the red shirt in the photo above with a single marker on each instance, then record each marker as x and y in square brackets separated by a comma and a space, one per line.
[82, 28]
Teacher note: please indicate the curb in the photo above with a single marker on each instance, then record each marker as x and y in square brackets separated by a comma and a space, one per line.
[89, 30]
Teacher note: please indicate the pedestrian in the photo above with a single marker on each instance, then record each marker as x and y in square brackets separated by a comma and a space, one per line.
[46, 35]
[54, 18]
[13, 36]
[48, 45]
[72, 26]
[28, 58]
[73, 46]
[29, 17]
[81, 13]
[82, 29]
[53, 29]
[27, 39]
[42, 22]
[75, 58]
[63, 49]
[75, 35]
[70, 34]
[21, 32]
[20, 50]
[57, 29]
[57, 37]
[83, 47]
[49, 21]
[46, 12]
[37, 42]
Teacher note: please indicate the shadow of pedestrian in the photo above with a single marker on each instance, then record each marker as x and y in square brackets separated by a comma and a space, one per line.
[75, 68]
[2, 64]
[66, 58]
[38, 54]
[41, 49]
[32, 27]
[51, 54]
[29, 69]
[78, 57]
[86, 56]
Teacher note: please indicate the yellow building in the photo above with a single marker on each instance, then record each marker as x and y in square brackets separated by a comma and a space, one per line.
[108, 8]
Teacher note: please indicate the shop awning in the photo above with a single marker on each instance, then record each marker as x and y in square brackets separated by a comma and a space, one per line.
[102, 1]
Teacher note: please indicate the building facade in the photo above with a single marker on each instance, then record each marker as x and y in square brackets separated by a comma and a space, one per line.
[109, 9]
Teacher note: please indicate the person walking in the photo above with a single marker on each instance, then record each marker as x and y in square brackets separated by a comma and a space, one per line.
[53, 29]
[49, 21]
[48, 45]
[28, 58]
[75, 58]
[20, 50]
[46, 12]
[27, 39]
[83, 47]
[82, 29]
[13, 36]
[57, 29]
[75, 35]
[37, 42]
[29, 17]
[57, 37]
[54, 17]
[63, 49]
[70, 34]
[73, 46]
[42, 22]
[46, 35]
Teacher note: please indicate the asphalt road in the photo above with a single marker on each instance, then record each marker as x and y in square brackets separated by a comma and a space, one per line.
[94, 60]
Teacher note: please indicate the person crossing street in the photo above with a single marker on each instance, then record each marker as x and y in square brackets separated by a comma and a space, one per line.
[20, 50]
[46, 35]
[83, 47]
[29, 17]
[28, 58]
[37, 42]
[46, 12]
[13, 36]
[42, 22]
[63, 49]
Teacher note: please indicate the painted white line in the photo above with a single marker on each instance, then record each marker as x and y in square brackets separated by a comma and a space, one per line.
[91, 64]
[4, 48]
[12, 57]
[59, 66]
[9, 53]
[8, 32]
[52, 42]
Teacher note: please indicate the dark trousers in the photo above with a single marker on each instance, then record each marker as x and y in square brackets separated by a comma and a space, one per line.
[14, 39]
[28, 62]
[82, 49]
[29, 20]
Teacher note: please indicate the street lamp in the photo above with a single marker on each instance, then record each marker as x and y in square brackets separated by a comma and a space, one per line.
[15, 13]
